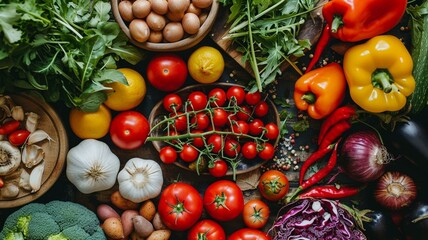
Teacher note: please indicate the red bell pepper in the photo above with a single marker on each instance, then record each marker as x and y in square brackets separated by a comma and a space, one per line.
[356, 20]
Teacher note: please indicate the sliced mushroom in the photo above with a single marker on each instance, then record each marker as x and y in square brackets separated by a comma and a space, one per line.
[10, 158]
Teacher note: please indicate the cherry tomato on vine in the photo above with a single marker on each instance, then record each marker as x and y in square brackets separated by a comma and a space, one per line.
[273, 185]
[249, 150]
[249, 234]
[180, 121]
[180, 206]
[218, 97]
[272, 131]
[167, 72]
[172, 102]
[129, 130]
[267, 151]
[18, 137]
[223, 200]
[232, 148]
[201, 121]
[240, 127]
[206, 229]
[255, 127]
[219, 117]
[218, 169]
[236, 92]
[197, 141]
[168, 155]
[189, 153]
[253, 98]
[198, 100]
[255, 213]
[216, 141]
[261, 109]
[244, 114]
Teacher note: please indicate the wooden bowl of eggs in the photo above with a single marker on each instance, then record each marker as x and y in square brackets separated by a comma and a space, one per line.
[165, 25]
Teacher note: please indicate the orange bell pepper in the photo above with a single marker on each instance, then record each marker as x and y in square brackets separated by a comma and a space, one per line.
[320, 91]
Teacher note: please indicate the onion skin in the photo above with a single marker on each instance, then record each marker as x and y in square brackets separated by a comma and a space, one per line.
[395, 190]
[363, 157]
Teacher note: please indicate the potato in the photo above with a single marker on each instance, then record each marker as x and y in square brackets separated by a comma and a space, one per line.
[157, 222]
[155, 36]
[202, 3]
[141, 8]
[104, 211]
[193, 9]
[139, 30]
[121, 202]
[160, 235]
[127, 224]
[148, 210]
[173, 32]
[112, 227]
[125, 10]
[178, 6]
[155, 21]
[160, 6]
[142, 227]
[191, 23]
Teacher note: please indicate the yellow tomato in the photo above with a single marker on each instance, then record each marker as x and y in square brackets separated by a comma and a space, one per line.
[90, 124]
[206, 64]
[125, 97]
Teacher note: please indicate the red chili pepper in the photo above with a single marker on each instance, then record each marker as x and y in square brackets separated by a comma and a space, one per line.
[321, 45]
[315, 156]
[9, 127]
[341, 113]
[323, 172]
[330, 192]
[335, 132]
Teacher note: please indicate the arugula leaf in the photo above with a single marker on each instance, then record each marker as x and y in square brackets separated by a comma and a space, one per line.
[9, 17]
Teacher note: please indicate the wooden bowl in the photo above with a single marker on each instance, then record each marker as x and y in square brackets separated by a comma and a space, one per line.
[244, 165]
[55, 150]
[187, 42]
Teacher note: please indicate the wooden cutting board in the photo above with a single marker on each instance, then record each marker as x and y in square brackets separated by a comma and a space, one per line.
[311, 30]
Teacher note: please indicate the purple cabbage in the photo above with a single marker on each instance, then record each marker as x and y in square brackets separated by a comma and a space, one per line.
[313, 219]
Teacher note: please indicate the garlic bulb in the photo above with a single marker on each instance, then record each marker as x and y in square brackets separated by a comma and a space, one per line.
[140, 180]
[92, 166]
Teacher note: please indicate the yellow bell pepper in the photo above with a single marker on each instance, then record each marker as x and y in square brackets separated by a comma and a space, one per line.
[379, 74]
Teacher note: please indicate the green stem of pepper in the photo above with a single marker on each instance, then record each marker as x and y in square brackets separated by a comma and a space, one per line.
[309, 97]
[336, 23]
[382, 79]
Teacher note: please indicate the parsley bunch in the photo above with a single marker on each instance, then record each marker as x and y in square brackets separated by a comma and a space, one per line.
[62, 49]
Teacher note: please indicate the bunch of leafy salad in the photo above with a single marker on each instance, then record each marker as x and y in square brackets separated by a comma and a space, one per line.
[266, 33]
[63, 50]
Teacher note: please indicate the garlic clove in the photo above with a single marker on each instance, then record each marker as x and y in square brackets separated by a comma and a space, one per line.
[32, 155]
[32, 121]
[17, 113]
[38, 136]
[10, 190]
[24, 180]
[36, 177]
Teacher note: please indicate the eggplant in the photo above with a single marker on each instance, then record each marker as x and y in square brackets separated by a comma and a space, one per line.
[381, 227]
[415, 222]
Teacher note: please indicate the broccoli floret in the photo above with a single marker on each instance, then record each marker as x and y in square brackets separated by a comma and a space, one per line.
[56, 220]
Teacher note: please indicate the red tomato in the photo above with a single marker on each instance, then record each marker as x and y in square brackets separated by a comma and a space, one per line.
[255, 213]
[217, 97]
[256, 127]
[232, 148]
[172, 102]
[18, 137]
[168, 155]
[249, 150]
[273, 185]
[129, 130]
[167, 72]
[180, 206]
[9, 127]
[267, 152]
[249, 234]
[236, 92]
[272, 131]
[261, 109]
[240, 127]
[189, 153]
[219, 117]
[180, 121]
[244, 114]
[209, 229]
[201, 121]
[219, 168]
[223, 200]
[198, 100]
[253, 98]
[216, 141]
[197, 141]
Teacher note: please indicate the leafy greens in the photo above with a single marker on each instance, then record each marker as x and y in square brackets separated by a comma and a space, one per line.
[64, 50]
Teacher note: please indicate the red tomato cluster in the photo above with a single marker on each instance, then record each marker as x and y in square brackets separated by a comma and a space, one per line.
[220, 126]
[181, 206]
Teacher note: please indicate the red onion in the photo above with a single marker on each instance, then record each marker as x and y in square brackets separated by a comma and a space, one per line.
[363, 156]
[395, 190]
